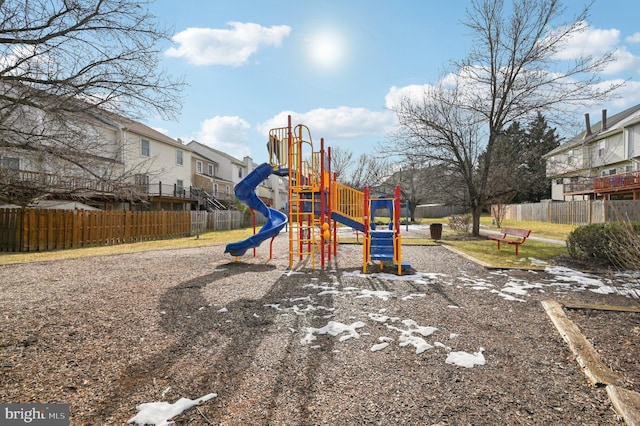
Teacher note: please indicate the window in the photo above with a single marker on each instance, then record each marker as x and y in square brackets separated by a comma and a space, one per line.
[630, 143]
[179, 187]
[199, 166]
[141, 179]
[559, 181]
[570, 157]
[13, 164]
[10, 163]
[179, 157]
[210, 169]
[215, 189]
[240, 172]
[227, 190]
[601, 148]
[144, 148]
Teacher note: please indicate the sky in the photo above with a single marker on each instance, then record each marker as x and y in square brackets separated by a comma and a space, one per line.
[338, 66]
[403, 333]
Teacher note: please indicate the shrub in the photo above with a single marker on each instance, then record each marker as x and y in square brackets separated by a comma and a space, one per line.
[615, 243]
[460, 222]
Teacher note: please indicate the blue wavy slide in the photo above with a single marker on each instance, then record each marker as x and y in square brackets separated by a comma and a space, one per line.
[245, 191]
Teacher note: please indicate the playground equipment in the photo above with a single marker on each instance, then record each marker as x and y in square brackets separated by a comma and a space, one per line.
[276, 220]
[317, 203]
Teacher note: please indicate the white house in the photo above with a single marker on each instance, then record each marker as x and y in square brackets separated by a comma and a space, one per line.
[602, 162]
[228, 171]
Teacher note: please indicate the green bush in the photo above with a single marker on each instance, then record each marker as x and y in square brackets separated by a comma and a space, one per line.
[614, 243]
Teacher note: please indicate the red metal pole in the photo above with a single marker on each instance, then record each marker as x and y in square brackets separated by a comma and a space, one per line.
[322, 200]
[329, 207]
[271, 248]
[366, 224]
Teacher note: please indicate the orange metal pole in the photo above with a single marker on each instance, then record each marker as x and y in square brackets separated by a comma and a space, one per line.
[291, 177]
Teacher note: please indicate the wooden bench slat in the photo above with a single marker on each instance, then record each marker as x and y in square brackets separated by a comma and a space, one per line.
[509, 235]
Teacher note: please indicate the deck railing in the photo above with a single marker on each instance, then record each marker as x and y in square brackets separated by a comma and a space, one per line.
[622, 180]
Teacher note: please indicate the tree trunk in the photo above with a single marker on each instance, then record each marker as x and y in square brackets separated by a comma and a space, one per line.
[412, 211]
[476, 212]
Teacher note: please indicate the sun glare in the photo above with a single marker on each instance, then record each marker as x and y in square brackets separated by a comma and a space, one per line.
[326, 50]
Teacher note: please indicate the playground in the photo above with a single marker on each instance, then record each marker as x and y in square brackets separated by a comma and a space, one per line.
[291, 327]
[317, 204]
[106, 334]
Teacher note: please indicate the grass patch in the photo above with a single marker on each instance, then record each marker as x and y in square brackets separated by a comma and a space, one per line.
[529, 256]
[554, 231]
[207, 239]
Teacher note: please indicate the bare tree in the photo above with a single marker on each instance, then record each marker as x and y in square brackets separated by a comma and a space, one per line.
[510, 73]
[368, 171]
[415, 181]
[65, 68]
[341, 161]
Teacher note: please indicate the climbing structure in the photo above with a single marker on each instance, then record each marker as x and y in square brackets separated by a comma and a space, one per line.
[317, 202]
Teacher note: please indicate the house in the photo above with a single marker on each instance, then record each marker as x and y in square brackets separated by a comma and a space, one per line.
[221, 172]
[95, 157]
[87, 157]
[602, 162]
[159, 164]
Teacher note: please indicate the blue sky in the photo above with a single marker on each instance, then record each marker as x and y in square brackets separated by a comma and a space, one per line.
[335, 65]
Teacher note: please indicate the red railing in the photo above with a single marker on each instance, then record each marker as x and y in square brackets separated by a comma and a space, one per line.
[620, 181]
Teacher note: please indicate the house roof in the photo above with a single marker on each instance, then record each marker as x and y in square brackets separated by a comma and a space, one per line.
[144, 130]
[203, 149]
[614, 124]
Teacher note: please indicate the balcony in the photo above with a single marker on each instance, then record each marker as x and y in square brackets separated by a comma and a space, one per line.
[615, 183]
[75, 186]
[623, 184]
[54, 183]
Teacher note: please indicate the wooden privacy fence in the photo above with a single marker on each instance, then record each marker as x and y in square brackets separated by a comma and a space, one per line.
[219, 220]
[576, 212]
[33, 230]
[43, 229]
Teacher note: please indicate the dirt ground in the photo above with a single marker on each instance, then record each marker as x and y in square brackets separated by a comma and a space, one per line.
[105, 334]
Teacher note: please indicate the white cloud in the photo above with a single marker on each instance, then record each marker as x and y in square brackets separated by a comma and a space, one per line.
[589, 41]
[227, 134]
[597, 42]
[338, 123]
[633, 38]
[396, 94]
[629, 95]
[211, 46]
[623, 61]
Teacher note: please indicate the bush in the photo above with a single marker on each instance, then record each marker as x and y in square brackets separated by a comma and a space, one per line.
[460, 222]
[614, 243]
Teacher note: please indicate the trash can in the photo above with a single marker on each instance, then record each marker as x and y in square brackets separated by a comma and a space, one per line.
[436, 231]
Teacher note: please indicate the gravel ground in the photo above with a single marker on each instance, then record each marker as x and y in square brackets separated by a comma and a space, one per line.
[105, 334]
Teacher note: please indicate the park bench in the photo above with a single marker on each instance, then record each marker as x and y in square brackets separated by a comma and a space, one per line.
[513, 236]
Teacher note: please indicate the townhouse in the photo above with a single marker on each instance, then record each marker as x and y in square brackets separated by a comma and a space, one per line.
[601, 162]
[143, 169]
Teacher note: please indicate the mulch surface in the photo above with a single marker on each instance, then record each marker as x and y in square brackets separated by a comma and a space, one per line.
[105, 334]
